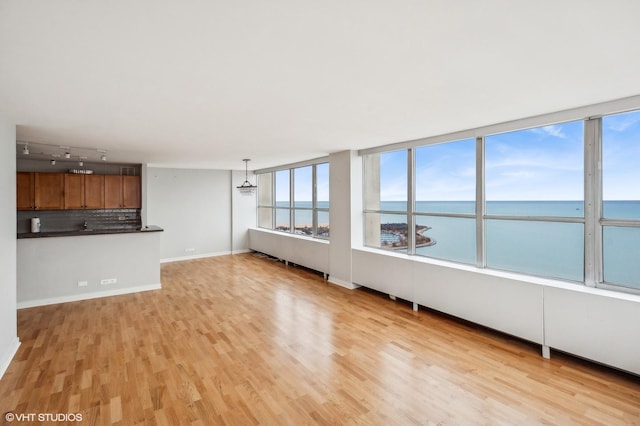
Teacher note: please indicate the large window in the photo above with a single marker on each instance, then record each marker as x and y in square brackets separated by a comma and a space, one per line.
[445, 201]
[386, 201]
[535, 201]
[538, 201]
[295, 200]
[621, 199]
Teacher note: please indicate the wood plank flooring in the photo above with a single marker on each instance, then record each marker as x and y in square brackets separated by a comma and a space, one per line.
[244, 340]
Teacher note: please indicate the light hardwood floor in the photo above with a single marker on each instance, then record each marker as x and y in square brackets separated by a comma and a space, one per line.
[245, 340]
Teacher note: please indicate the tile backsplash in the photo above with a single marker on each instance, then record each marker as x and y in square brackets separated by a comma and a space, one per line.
[72, 220]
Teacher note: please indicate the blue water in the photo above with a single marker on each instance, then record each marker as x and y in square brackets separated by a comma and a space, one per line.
[548, 249]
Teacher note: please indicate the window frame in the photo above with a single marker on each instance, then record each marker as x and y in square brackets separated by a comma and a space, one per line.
[291, 207]
[592, 221]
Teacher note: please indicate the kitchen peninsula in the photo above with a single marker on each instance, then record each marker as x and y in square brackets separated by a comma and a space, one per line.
[83, 249]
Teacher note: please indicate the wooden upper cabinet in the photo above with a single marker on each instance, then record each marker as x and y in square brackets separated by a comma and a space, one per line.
[113, 192]
[83, 191]
[57, 191]
[131, 192]
[73, 191]
[25, 191]
[49, 191]
[122, 192]
[94, 192]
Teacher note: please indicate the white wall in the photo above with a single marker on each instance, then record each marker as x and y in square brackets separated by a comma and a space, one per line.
[8, 323]
[194, 209]
[49, 268]
[243, 212]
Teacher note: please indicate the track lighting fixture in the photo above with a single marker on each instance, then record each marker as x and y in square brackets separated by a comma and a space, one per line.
[53, 153]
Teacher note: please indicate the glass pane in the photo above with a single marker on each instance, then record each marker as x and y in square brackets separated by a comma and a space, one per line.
[536, 208]
[265, 217]
[322, 185]
[446, 177]
[447, 238]
[303, 187]
[323, 224]
[303, 222]
[621, 252]
[283, 220]
[548, 249]
[386, 181]
[387, 231]
[621, 165]
[536, 165]
[265, 194]
[282, 188]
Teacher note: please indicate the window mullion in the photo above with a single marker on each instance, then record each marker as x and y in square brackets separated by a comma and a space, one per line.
[411, 197]
[314, 202]
[292, 223]
[481, 260]
[593, 202]
[274, 211]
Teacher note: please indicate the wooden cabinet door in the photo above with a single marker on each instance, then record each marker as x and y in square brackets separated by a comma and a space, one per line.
[25, 191]
[113, 192]
[74, 191]
[49, 191]
[131, 192]
[93, 191]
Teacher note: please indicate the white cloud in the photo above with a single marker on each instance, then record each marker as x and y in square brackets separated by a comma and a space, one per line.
[520, 174]
[620, 124]
[555, 131]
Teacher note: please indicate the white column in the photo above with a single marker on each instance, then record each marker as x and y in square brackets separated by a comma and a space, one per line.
[345, 186]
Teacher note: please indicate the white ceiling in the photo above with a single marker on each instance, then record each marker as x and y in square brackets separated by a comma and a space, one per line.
[206, 83]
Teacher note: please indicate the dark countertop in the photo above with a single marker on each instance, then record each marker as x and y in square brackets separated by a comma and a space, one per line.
[81, 233]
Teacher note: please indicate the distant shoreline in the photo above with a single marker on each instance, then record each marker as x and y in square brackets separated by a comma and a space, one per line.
[400, 240]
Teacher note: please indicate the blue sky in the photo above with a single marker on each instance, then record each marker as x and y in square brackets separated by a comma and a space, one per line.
[303, 183]
[544, 163]
[621, 156]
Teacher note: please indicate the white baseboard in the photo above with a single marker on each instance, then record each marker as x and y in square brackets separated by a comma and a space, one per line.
[87, 296]
[194, 256]
[242, 251]
[341, 283]
[6, 359]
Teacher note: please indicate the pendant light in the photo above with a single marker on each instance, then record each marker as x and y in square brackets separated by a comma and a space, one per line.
[246, 188]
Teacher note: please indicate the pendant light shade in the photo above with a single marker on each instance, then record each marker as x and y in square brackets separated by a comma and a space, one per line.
[246, 188]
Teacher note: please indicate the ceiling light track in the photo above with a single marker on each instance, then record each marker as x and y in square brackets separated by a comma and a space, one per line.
[47, 151]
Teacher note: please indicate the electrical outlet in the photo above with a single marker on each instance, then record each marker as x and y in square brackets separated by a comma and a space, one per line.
[190, 250]
[109, 281]
[82, 283]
